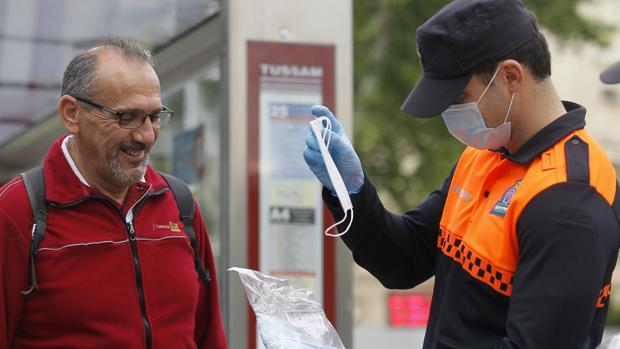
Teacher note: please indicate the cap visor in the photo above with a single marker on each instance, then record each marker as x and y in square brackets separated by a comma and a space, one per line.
[430, 96]
[611, 75]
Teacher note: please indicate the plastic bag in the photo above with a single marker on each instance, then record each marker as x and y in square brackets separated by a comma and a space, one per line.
[287, 316]
[611, 343]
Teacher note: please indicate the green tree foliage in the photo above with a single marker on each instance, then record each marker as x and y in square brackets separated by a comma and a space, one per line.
[405, 157]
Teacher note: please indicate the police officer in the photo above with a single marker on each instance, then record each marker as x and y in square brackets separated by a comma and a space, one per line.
[523, 236]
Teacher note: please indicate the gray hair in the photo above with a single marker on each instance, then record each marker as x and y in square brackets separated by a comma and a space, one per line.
[79, 77]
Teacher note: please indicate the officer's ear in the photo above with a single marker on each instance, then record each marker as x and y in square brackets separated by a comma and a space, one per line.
[68, 111]
[512, 73]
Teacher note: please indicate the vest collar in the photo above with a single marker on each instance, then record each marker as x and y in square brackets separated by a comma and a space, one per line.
[573, 120]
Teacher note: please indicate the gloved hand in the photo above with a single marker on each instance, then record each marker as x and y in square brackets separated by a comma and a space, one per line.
[341, 150]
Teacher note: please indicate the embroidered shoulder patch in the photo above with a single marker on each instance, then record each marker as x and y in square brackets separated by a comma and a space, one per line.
[502, 205]
[174, 227]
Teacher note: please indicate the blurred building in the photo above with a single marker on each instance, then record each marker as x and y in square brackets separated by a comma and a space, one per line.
[575, 72]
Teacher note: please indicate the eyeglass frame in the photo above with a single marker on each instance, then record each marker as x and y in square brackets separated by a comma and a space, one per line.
[118, 114]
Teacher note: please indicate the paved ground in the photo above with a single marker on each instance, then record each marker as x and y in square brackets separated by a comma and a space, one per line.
[367, 337]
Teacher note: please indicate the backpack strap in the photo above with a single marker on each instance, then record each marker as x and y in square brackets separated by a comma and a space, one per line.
[187, 210]
[35, 187]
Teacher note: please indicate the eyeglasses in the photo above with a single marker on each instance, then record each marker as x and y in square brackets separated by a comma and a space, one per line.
[134, 119]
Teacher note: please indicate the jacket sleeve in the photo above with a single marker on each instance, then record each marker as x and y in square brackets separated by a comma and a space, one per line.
[399, 250]
[568, 236]
[14, 274]
[209, 332]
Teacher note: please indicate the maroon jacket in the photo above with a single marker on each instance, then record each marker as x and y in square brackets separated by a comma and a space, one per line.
[99, 288]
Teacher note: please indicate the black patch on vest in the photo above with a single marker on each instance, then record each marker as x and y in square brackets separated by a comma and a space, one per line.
[577, 160]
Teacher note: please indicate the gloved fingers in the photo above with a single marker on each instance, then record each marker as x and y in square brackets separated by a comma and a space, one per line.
[314, 159]
[339, 144]
[315, 162]
[311, 141]
[321, 110]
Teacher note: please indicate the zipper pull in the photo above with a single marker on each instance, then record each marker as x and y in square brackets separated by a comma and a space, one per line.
[132, 233]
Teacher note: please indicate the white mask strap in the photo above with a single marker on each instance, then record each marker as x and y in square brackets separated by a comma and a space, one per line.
[489, 85]
[332, 170]
[340, 222]
[509, 107]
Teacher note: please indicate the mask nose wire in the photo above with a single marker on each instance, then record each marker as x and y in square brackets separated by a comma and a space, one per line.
[489, 85]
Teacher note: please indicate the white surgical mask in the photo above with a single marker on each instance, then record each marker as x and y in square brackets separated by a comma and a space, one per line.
[465, 123]
[332, 171]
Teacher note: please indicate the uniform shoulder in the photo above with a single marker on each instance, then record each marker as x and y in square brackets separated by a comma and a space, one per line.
[577, 158]
[586, 162]
[574, 162]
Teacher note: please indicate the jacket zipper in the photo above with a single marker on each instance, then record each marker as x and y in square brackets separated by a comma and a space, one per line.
[136, 265]
[134, 252]
[140, 286]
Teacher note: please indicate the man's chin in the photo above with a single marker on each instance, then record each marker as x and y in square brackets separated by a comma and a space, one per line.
[136, 173]
[128, 173]
[129, 176]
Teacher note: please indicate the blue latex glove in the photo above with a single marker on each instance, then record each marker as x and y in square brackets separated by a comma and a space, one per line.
[342, 152]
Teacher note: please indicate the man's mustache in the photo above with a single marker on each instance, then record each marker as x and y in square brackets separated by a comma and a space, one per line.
[130, 145]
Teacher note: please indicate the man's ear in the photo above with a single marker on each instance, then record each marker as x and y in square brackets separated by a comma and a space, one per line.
[68, 110]
[513, 74]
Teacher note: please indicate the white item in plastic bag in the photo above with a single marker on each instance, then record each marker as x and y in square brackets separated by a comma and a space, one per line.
[287, 316]
[611, 343]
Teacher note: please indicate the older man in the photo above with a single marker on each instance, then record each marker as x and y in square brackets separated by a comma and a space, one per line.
[116, 269]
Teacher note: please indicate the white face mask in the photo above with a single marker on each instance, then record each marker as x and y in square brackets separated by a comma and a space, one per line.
[465, 123]
[332, 171]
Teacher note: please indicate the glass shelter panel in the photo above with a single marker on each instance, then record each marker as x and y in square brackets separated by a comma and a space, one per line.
[190, 147]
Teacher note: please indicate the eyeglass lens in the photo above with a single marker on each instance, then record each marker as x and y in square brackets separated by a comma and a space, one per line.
[135, 120]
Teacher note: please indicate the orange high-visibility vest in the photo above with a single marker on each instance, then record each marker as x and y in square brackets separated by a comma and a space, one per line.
[489, 192]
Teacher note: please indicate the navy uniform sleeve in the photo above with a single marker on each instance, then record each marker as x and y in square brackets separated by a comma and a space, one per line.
[398, 250]
[567, 239]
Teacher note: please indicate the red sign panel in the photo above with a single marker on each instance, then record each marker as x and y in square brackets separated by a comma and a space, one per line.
[408, 310]
[280, 63]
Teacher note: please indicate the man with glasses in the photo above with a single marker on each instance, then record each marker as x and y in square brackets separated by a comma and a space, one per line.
[116, 268]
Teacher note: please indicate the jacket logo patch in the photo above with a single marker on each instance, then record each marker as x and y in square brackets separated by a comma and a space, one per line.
[461, 193]
[172, 226]
[502, 205]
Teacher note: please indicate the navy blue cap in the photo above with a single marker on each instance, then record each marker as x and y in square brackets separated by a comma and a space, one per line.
[458, 39]
[611, 75]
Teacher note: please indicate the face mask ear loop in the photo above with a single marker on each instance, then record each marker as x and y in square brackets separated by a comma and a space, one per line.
[509, 107]
[489, 85]
[327, 135]
[337, 223]
[327, 139]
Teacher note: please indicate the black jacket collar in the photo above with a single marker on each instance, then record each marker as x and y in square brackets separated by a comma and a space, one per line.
[574, 119]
